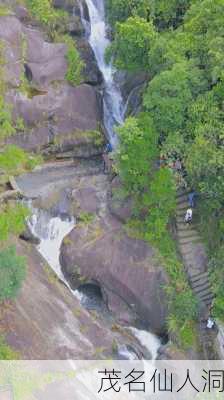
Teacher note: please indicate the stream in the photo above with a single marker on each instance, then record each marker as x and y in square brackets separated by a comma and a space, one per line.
[51, 228]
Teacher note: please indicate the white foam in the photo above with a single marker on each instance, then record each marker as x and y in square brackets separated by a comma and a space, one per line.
[51, 231]
[98, 40]
[148, 340]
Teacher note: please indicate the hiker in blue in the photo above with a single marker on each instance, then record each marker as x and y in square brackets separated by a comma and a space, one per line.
[191, 199]
[106, 158]
[108, 148]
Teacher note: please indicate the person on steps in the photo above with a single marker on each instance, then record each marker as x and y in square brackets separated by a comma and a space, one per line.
[210, 323]
[188, 216]
[108, 148]
[191, 199]
[106, 159]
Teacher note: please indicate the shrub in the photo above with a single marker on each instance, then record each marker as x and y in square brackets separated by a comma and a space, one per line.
[6, 125]
[217, 280]
[6, 352]
[86, 218]
[44, 11]
[75, 64]
[12, 220]
[13, 159]
[12, 273]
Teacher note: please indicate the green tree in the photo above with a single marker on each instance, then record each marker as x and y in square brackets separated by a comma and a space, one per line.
[133, 40]
[13, 159]
[205, 166]
[12, 220]
[168, 13]
[44, 12]
[169, 94]
[75, 64]
[120, 10]
[137, 152]
[217, 280]
[204, 22]
[160, 201]
[12, 273]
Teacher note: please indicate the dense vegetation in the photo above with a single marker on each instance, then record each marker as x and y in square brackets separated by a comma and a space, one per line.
[179, 44]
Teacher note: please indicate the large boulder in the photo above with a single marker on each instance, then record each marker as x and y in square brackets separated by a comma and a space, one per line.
[120, 204]
[58, 118]
[99, 250]
[62, 119]
[46, 61]
[91, 72]
[46, 321]
[11, 33]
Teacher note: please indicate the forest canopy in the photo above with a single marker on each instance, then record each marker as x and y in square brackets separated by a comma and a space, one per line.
[179, 45]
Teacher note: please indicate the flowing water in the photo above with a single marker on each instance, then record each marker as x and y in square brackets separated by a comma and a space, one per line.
[97, 36]
[51, 230]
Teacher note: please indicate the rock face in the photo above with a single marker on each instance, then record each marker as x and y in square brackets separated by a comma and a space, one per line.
[47, 322]
[91, 73]
[121, 208]
[58, 117]
[64, 119]
[100, 251]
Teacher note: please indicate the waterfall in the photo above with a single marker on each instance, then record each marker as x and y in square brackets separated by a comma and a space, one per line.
[98, 40]
[51, 230]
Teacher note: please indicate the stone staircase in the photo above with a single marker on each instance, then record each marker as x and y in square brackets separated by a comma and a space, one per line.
[195, 262]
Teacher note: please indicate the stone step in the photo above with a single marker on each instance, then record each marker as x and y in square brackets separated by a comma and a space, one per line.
[180, 221]
[207, 297]
[182, 192]
[209, 301]
[187, 233]
[190, 270]
[197, 277]
[184, 205]
[183, 227]
[180, 212]
[202, 293]
[182, 202]
[193, 240]
[185, 252]
[189, 261]
[204, 282]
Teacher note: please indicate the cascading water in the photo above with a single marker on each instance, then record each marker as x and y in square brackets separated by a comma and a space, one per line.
[97, 36]
[51, 231]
